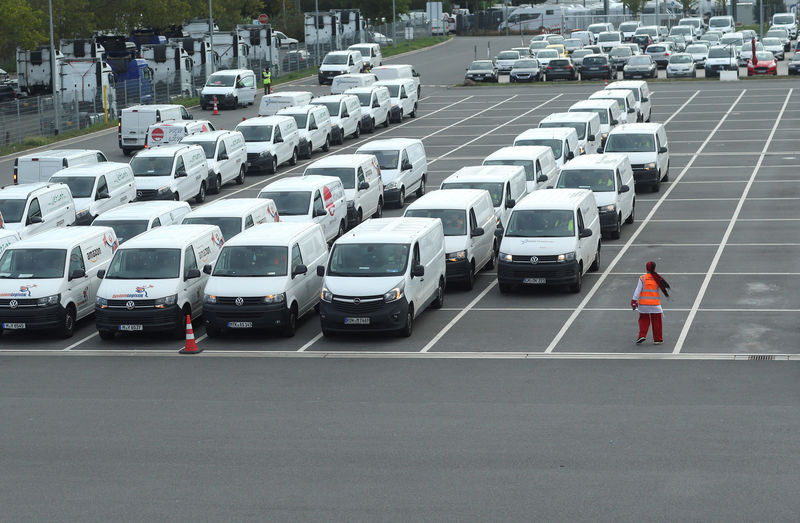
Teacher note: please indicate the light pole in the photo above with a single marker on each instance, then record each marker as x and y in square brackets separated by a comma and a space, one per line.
[761, 19]
[394, 31]
[53, 73]
[316, 28]
[211, 34]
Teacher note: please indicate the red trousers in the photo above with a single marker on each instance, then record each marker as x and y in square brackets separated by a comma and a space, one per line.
[644, 326]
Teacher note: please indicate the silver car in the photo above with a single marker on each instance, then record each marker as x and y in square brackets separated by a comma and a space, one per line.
[783, 34]
[681, 65]
[660, 52]
[774, 46]
[505, 60]
[699, 54]
[526, 70]
[577, 56]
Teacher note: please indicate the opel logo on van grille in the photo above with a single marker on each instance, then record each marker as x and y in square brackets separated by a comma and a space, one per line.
[239, 302]
[534, 260]
[130, 305]
[13, 304]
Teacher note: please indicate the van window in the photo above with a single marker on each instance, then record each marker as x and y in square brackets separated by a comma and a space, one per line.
[34, 210]
[619, 180]
[189, 261]
[222, 149]
[297, 258]
[102, 187]
[179, 165]
[248, 81]
[75, 261]
[526, 164]
[156, 223]
[277, 134]
[318, 205]
[416, 259]
[32, 263]
[360, 176]
[596, 180]
[368, 259]
[580, 221]
[185, 114]
[312, 122]
[538, 168]
[473, 221]
[101, 158]
[345, 174]
[251, 261]
[404, 158]
[248, 222]
[495, 189]
[453, 220]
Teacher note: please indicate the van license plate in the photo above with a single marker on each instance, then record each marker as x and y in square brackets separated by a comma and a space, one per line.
[534, 281]
[356, 321]
[130, 327]
[249, 164]
[240, 324]
[13, 326]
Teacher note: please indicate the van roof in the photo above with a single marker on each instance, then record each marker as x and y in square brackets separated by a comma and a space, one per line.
[232, 207]
[330, 98]
[388, 143]
[354, 75]
[394, 81]
[154, 107]
[208, 136]
[275, 233]
[590, 161]
[342, 160]
[484, 173]
[265, 120]
[92, 169]
[631, 128]
[345, 52]
[166, 150]
[298, 109]
[299, 183]
[368, 44]
[389, 230]
[234, 71]
[141, 210]
[611, 93]
[560, 133]
[570, 117]
[366, 89]
[449, 199]
[558, 199]
[391, 66]
[59, 153]
[519, 152]
[288, 94]
[169, 237]
[61, 237]
[591, 104]
[24, 189]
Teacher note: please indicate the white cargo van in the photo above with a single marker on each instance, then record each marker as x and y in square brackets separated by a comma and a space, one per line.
[553, 238]
[6, 237]
[231, 87]
[625, 100]
[173, 172]
[316, 199]
[314, 126]
[265, 278]
[270, 141]
[381, 275]
[610, 178]
[361, 179]
[641, 95]
[540, 167]
[339, 62]
[403, 167]
[33, 208]
[607, 110]
[375, 105]
[468, 220]
[345, 112]
[233, 215]
[343, 82]
[646, 146]
[505, 183]
[272, 103]
[173, 131]
[226, 157]
[395, 71]
[38, 167]
[50, 281]
[587, 125]
[135, 218]
[562, 140]
[370, 54]
[403, 96]
[135, 121]
[154, 280]
[97, 188]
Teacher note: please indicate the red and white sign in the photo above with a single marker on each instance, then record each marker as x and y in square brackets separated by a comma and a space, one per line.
[157, 135]
[262, 18]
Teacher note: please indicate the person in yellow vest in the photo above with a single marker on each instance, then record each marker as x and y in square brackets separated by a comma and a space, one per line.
[646, 299]
[266, 76]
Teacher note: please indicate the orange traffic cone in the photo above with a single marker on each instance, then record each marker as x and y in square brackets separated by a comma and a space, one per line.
[216, 110]
[190, 347]
[216, 102]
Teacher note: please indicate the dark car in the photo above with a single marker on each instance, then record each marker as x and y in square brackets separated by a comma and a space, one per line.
[561, 68]
[642, 41]
[794, 65]
[295, 60]
[597, 66]
[640, 66]
[7, 93]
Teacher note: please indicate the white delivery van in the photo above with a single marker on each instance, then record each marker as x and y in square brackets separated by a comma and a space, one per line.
[226, 157]
[505, 183]
[625, 100]
[587, 125]
[553, 238]
[33, 208]
[562, 140]
[272, 103]
[607, 110]
[265, 278]
[33, 168]
[231, 87]
[233, 215]
[540, 166]
[50, 281]
[641, 96]
[172, 172]
[646, 146]
[375, 105]
[381, 275]
[345, 112]
[316, 199]
[395, 71]
[154, 280]
[135, 121]
[361, 179]
[403, 167]
[270, 141]
[135, 218]
[468, 220]
[370, 54]
[339, 62]
[723, 24]
[343, 82]
[610, 178]
[403, 97]
[314, 126]
[7, 237]
[786, 21]
[97, 188]
[173, 131]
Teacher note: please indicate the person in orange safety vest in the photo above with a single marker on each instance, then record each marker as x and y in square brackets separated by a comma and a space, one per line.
[646, 299]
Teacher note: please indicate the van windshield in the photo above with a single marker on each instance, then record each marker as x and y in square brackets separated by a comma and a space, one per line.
[596, 180]
[386, 159]
[289, 203]
[251, 261]
[630, 143]
[541, 224]
[301, 120]
[256, 133]
[335, 59]
[333, 107]
[368, 259]
[152, 165]
[220, 80]
[394, 90]
[32, 264]
[79, 186]
[145, 264]
[579, 127]
[718, 22]
[527, 164]
[495, 189]
[230, 227]
[635, 92]
[453, 220]
[365, 51]
[555, 145]
[346, 174]
[602, 113]
[364, 98]
[209, 148]
[124, 229]
[12, 210]
[783, 19]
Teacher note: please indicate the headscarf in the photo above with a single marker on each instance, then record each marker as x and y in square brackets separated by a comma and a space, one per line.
[662, 283]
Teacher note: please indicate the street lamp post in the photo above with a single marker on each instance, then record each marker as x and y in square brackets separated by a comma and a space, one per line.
[316, 28]
[53, 72]
[211, 34]
[394, 31]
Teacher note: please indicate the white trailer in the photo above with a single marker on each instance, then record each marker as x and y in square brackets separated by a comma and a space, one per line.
[264, 45]
[325, 26]
[171, 66]
[230, 50]
[197, 28]
[89, 82]
[434, 12]
[199, 52]
[354, 26]
[35, 72]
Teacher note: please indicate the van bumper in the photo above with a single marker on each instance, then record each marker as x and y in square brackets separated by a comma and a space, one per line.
[352, 216]
[382, 317]
[143, 195]
[457, 270]
[608, 221]
[553, 273]
[642, 176]
[151, 319]
[391, 195]
[34, 318]
[266, 316]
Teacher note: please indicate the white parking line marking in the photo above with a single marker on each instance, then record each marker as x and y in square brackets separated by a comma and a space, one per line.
[87, 338]
[311, 342]
[704, 286]
[668, 120]
[458, 316]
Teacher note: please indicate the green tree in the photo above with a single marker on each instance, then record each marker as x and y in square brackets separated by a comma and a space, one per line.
[688, 6]
[20, 26]
[634, 6]
[71, 18]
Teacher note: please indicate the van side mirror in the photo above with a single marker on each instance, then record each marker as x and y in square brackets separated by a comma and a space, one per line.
[590, 137]
[570, 155]
[363, 186]
[320, 270]
[34, 219]
[542, 178]
[299, 269]
[180, 173]
[645, 99]
[585, 233]
[101, 274]
[102, 195]
[418, 270]
[191, 274]
[477, 231]
[614, 122]
[318, 212]
[406, 166]
[77, 273]
[624, 188]
[277, 139]
[222, 156]
[375, 104]
[662, 150]
[510, 203]
[631, 110]
[207, 268]
[313, 127]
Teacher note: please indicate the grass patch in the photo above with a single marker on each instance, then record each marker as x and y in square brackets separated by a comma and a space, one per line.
[38, 141]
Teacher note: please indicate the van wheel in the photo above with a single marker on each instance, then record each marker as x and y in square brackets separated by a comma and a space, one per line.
[408, 329]
[492, 258]
[469, 282]
[438, 302]
[106, 335]
[177, 197]
[421, 188]
[272, 166]
[339, 138]
[293, 161]
[666, 174]
[359, 217]
[618, 230]
[67, 328]
[358, 131]
[372, 126]
[386, 122]
[633, 209]
[127, 152]
[218, 185]
[180, 323]
[342, 229]
[236, 103]
[213, 331]
[309, 150]
[576, 287]
[201, 196]
[413, 113]
[595, 266]
[291, 323]
[379, 210]
[240, 178]
[327, 144]
[401, 200]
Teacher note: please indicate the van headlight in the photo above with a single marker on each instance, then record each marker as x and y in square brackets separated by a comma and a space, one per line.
[456, 256]
[81, 214]
[326, 295]
[569, 256]
[390, 185]
[609, 208]
[166, 301]
[209, 298]
[275, 298]
[506, 257]
[48, 300]
[101, 302]
[650, 165]
[394, 294]
[162, 190]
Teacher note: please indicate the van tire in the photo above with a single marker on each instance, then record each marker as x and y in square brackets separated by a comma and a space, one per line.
[106, 335]
[379, 210]
[357, 133]
[372, 126]
[309, 150]
[576, 287]
[615, 234]
[201, 195]
[177, 197]
[666, 174]
[342, 229]
[236, 103]
[438, 302]
[180, 328]
[213, 331]
[401, 200]
[469, 281]
[127, 152]
[240, 178]
[421, 189]
[291, 322]
[633, 210]
[359, 217]
[492, 258]
[327, 144]
[67, 328]
[272, 168]
[408, 328]
[595, 266]
[413, 113]
[218, 184]
[293, 160]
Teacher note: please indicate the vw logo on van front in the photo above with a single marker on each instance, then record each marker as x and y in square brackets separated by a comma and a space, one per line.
[130, 305]
[13, 304]
[239, 302]
[534, 260]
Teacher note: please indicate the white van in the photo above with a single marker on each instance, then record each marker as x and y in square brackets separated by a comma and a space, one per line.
[314, 126]
[265, 278]
[6, 237]
[173, 172]
[345, 112]
[403, 167]
[343, 82]
[370, 54]
[381, 275]
[226, 157]
[154, 280]
[607, 40]
[50, 281]
[723, 24]
[540, 166]
[272, 103]
[404, 99]
[395, 71]
[33, 168]
[173, 131]
[607, 110]
[361, 179]
[231, 88]
[468, 220]
[646, 146]
[33, 208]
[375, 105]
[339, 62]
[316, 199]
[786, 21]
[587, 125]
[553, 238]
[136, 120]
[505, 183]
[271, 141]
[234, 215]
[600, 27]
[97, 188]
[610, 178]
[135, 218]
[625, 100]
[562, 140]
[641, 94]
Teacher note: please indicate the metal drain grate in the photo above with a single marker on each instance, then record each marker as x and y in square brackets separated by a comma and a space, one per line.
[761, 357]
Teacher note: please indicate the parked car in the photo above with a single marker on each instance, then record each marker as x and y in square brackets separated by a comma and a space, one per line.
[794, 65]
[774, 46]
[505, 60]
[620, 55]
[526, 70]
[482, 70]
[764, 64]
[699, 54]
[598, 66]
[681, 65]
[642, 66]
[577, 56]
[561, 68]
[642, 40]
